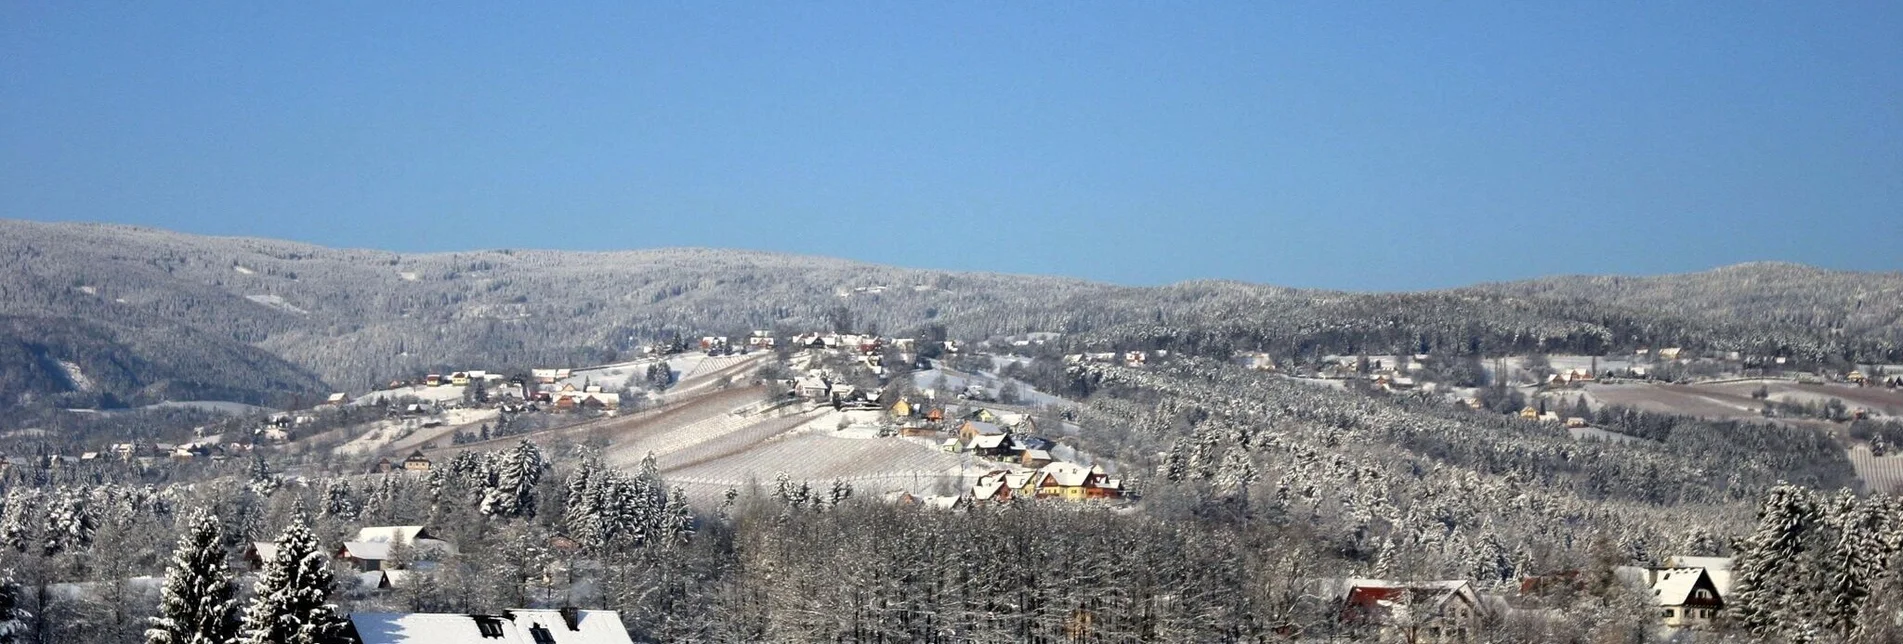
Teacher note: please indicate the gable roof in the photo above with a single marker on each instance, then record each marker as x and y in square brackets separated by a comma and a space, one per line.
[388, 533]
[518, 626]
[989, 441]
[1065, 474]
[1718, 568]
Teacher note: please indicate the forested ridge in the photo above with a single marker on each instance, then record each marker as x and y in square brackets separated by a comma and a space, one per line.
[166, 315]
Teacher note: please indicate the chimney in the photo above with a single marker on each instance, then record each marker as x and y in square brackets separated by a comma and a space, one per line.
[571, 617]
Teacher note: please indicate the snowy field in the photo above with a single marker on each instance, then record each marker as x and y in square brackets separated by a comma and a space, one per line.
[403, 434]
[1733, 399]
[957, 381]
[1881, 474]
[872, 466]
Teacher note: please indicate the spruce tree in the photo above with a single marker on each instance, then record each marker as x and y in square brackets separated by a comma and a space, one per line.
[1769, 587]
[196, 602]
[291, 605]
[1855, 565]
[13, 627]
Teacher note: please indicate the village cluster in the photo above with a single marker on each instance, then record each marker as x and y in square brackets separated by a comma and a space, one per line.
[1687, 593]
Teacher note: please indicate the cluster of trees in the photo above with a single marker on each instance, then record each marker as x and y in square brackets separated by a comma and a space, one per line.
[1822, 565]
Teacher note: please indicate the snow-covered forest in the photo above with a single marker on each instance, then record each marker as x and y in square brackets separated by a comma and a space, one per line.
[110, 316]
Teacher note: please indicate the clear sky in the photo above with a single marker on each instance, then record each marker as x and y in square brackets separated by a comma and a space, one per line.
[1331, 144]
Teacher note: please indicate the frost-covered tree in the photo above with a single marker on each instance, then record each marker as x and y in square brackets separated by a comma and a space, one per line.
[1770, 569]
[197, 604]
[516, 474]
[292, 597]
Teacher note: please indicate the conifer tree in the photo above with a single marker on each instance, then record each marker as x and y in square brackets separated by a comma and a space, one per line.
[291, 605]
[1768, 587]
[196, 602]
[13, 627]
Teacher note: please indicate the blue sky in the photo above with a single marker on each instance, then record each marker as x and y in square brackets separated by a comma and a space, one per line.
[1326, 144]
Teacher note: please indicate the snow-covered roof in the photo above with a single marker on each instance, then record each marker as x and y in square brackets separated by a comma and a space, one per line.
[1718, 568]
[987, 441]
[982, 427]
[267, 551]
[520, 626]
[1066, 474]
[389, 533]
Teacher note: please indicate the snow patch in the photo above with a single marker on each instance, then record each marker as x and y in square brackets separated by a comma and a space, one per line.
[76, 377]
[409, 276]
[89, 290]
[243, 270]
[276, 302]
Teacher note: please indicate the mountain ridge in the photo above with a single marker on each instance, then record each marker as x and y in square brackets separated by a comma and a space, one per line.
[351, 318]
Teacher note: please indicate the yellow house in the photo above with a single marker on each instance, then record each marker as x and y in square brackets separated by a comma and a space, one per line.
[459, 379]
[1530, 413]
[902, 409]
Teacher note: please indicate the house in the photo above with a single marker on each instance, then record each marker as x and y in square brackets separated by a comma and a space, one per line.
[1529, 413]
[459, 378]
[1549, 417]
[972, 429]
[761, 340]
[1073, 482]
[1427, 612]
[1670, 353]
[813, 388]
[337, 399]
[550, 376]
[992, 445]
[1034, 458]
[260, 553]
[918, 429]
[902, 409]
[416, 462]
[372, 546]
[1686, 597]
[383, 466]
[1576, 422]
[514, 626]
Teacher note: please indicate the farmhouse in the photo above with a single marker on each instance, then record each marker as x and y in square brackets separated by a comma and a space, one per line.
[373, 545]
[991, 445]
[1686, 597]
[417, 462]
[1073, 482]
[514, 626]
[1431, 612]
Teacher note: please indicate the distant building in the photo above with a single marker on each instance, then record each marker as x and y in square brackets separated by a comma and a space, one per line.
[1431, 612]
[416, 462]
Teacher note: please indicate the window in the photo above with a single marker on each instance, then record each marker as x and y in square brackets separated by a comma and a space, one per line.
[541, 634]
[1703, 594]
[488, 626]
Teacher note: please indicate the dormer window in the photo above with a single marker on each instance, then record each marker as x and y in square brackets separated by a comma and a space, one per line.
[488, 626]
[1703, 594]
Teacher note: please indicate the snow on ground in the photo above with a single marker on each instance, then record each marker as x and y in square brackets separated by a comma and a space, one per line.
[76, 377]
[1594, 433]
[407, 433]
[276, 302]
[243, 270]
[220, 406]
[1676, 399]
[873, 467]
[957, 381]
[1882, 474]
[633, 374]
[438, 394]
[1883, 400]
